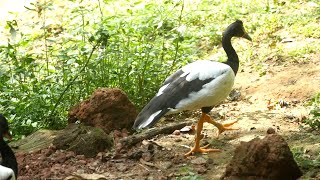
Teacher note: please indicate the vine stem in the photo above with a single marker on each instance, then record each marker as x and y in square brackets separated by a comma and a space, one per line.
[72, 80]
[177, 42]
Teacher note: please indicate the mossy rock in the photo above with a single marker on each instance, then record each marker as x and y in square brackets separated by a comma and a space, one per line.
[40, 139]
[83, 140]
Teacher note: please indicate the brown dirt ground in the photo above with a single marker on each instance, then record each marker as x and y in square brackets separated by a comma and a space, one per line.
[162, 156]
[294, 83]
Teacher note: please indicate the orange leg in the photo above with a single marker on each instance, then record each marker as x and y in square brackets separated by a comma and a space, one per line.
[197, 147]
[221, 127]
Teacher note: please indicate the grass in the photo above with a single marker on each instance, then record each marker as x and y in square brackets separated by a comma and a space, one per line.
[61, 51]
[188, 174]
[309, 164]
[314, 119]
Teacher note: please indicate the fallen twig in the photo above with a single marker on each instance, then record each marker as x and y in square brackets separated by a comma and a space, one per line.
[148, 134]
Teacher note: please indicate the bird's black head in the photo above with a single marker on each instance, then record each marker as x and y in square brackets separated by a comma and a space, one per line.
[236, 29]
[4, 128]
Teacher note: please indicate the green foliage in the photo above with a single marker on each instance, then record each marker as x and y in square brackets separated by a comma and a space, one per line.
[59, 57]
[45, 72]
[314, 120]
[306, 162]
[187, 174]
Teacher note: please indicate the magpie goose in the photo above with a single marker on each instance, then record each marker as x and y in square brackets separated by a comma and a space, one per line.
[199, 85]
[9, 165]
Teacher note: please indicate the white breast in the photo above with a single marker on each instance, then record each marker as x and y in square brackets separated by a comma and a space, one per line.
[5, 173]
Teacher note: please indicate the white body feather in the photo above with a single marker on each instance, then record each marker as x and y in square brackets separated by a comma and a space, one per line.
[202, 83]
[5, 173]
[213, 92]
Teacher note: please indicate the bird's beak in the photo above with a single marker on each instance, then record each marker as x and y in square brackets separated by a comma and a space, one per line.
[7, 135]
[246, 36]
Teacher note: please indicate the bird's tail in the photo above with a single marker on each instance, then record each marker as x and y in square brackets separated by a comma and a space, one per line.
[149, 115]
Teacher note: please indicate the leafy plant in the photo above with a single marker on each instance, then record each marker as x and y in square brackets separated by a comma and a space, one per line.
[188, 174]
[59, 56]
[314, 120]
[308, 164]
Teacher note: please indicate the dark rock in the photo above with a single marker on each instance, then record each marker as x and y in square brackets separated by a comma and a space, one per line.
[271, 131]
[83, 140]
[267, 158]
[107, 108]
[135, 155]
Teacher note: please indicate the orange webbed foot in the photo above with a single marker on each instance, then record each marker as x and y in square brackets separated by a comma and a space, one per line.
[201, 150]
[226, 127]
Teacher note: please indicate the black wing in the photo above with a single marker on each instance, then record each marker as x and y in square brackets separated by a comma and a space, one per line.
[174, 89]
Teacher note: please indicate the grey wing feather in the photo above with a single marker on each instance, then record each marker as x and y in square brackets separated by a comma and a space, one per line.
[179, 88]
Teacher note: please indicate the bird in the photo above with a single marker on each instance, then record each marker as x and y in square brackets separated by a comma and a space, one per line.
[201, 84]
[9, 165]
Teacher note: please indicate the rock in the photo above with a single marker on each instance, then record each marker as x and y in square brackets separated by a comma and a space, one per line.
[201, 170]
[107, 108]
[178, 159]
[176, 132]
[234, 95]
[164, 165]
[83, 140]
[199, 161]
[135, 155]
[122, 167]
[271, 130]
[147, 156]
[267, 158]
[36, 141]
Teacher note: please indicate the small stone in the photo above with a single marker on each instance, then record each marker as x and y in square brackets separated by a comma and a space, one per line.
[289, 116]
[135, 155]
[302, 118]
[176, 132]
[117, 133]
[81, 161]
[80, 171]
[121, 167]
[186, 129]
[70, 154]
[162, 178]
[125, 133]
[118, 147]
[201, 170]
[271, 131]
[145, 173]
[99, 155]
[178, 159]
[147, 156]
[295, 101]
[199, 161]
[210, 161]
[61, 158]
[164, 165]
[252, 128]
[234, 95]
[80, 157]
